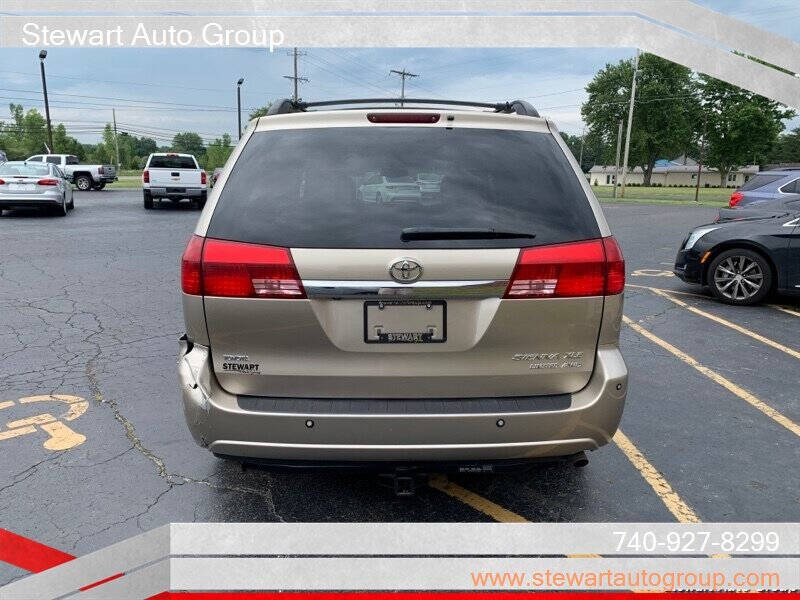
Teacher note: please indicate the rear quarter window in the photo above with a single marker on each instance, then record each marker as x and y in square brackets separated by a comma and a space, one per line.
[760, 181]
[359, 187]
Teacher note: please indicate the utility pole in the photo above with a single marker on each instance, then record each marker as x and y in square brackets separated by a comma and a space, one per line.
[630, 123]
[403, 74]
[42, 56]
[700, 162]
[296, 79]
[616, 165]
[583, 137]
[239, 105]
[116, 142]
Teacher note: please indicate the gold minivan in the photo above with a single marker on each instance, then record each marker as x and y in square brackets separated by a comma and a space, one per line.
[427, 284]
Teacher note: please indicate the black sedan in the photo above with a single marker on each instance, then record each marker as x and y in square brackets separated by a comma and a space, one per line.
[743, 261]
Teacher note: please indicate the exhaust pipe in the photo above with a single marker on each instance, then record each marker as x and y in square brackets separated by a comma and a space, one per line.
[579, 460]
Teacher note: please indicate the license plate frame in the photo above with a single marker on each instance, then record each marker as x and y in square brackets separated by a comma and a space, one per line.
[405, 337]
[21, 187]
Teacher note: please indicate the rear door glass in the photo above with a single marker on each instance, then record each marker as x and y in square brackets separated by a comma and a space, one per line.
[172, 162]
[359, 187]
[24, 170]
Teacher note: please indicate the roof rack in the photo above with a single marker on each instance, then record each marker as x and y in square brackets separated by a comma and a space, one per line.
[519, 107]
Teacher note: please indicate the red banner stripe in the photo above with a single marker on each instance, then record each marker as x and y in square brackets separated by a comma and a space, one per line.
[455, 595]
[101, 582]
[28, 554]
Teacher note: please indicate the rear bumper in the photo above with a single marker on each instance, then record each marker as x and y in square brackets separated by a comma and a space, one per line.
[30, 201]
[179, 192]
[229, 425]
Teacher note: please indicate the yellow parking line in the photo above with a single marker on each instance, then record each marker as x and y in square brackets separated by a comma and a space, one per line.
[764, 340]
[647, 287]
[476, 501]
[717, 378]
[484, 505]
[785, 309]
[674, 503]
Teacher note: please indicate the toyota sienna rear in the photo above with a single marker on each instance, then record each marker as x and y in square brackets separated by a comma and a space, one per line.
[402, 286]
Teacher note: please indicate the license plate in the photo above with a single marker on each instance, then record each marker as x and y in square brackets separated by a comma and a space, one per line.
[401, 322]
[21, 187]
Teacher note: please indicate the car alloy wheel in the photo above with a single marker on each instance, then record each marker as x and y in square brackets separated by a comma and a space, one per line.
[738, 278]
[83, 183]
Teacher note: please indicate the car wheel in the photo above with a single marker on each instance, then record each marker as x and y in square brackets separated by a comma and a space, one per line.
[740, 276]
[201, 202]
[83, 182]
[71, 205]
[99, 186]
[61, 210]
[148, 200]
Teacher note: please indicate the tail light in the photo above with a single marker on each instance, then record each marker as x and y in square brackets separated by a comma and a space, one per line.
[203, 177]
[590, 268]
[48, 181]
[146, 176]
[615, 267]
[736, 197]
[237, 270]
[100, 170]
[403, 117]
[191, 266]
[2, 182]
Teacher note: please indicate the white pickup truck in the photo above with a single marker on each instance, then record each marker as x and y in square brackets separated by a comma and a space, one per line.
[85, 177]
[174, 176]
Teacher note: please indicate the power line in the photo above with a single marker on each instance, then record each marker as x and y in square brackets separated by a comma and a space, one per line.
[315, 60]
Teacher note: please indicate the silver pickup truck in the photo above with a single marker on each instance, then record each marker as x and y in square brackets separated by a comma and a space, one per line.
[85, 177]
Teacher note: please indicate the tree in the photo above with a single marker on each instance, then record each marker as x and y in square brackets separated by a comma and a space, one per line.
[591, 149]
[188, 143]
[105, 152]
[218, 152]
[144, 146]
[742, 127]
[261, 111]
[665, 112]
[786, 148]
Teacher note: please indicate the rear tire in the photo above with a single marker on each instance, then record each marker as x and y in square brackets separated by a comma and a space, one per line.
[71, 205]
[740, 277]
[99, 186]
[61, 210]
[201, 201]
[148, 200]
[83, 183]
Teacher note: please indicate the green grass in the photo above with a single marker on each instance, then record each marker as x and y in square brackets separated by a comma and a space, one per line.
[664, 195]
[125, 182]
[129, 172]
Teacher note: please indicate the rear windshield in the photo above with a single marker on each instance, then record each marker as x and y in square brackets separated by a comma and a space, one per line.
[172, 162]
[760, 181]
[24, 170]
[360, 187]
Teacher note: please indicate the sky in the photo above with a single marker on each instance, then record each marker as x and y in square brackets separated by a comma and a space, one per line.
[159, 92]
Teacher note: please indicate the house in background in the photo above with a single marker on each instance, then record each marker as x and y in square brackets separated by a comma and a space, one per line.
[680, 172]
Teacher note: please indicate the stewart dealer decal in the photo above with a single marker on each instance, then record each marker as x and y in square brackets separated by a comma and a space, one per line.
[240, 364]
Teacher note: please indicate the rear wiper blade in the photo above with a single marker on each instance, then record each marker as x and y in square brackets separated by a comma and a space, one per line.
[461, 233]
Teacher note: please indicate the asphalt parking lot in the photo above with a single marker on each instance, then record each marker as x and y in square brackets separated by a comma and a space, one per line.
[90, 312]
